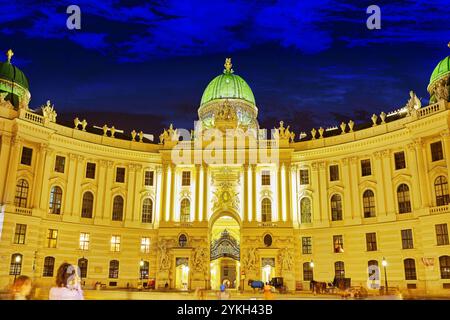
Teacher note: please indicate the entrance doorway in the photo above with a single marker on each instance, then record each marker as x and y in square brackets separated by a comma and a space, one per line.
[225, 253]
[182, 274]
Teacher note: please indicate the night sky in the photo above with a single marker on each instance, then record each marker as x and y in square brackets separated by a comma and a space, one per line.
[142, 65]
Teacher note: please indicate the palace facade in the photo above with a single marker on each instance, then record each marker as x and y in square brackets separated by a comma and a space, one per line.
[322, 205]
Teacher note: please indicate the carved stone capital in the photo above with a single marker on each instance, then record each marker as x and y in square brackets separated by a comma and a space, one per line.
[315, 166]
[110, 164]
[386, 153]
[322, 165]
[345, 161]
[418, 143]
[17, 140]
[377, 154]
[445, 134]
[103, 163]
[159, 169]
[80, 158]
[353, 160]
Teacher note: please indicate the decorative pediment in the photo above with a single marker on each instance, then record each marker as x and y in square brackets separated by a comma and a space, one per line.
[335, 189]
[119, 190]
[147, 194]
[88, 186]
[368, 184]
[57, 180]
[225, 246]
[401, 177]
[266, 194]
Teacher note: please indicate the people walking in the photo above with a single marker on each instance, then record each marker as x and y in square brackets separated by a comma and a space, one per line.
[268, 292]
[68, 284]
[21, 288]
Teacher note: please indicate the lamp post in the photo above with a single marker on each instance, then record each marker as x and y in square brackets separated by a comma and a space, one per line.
[384, 264]
[18, 259]
[311, 265]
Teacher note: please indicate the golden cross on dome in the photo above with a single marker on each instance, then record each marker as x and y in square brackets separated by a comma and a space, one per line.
[9, 54]
[228, 65]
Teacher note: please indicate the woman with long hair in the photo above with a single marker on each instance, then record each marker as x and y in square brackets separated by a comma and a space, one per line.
[68, 284]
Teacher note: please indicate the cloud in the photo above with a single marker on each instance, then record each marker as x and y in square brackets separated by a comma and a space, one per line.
[138, 32]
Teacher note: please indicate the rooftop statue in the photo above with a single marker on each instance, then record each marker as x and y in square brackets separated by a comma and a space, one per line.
[413, 103]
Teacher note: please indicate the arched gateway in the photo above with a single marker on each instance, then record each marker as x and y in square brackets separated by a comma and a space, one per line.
[225, 251]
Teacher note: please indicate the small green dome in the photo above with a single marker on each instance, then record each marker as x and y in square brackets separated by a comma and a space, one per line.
[12, 73]
[227, 86]
[442, 69]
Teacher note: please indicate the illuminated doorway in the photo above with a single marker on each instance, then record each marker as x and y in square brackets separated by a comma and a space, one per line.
[268, 269]
[225, 253]
[182, 274]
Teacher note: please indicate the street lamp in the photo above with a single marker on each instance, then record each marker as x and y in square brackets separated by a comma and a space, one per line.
[18, 259]
[311, 264]
[384, 264]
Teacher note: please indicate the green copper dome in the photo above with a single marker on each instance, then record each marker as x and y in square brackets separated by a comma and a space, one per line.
[442, 69]
[227, 86]
[13, 74]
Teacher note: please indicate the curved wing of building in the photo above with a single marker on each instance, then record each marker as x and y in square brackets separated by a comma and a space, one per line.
[228, 204]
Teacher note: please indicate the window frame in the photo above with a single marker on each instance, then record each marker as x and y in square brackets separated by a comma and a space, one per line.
[436, 154]
[21, 195]
[59, 165]
[20, 233]
[371, 241]
[334, 174]
[366, 167]
[399, 163]
[25, 158]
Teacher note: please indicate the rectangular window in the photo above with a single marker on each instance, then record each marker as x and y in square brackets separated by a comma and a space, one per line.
[20, 233]
[366, 169]
[304, 176]
[145, 245]
[120, 175]
[52, 238]
[186, 178]
[407, 239]
[90, 170]
[27, 154]
[60, 163]
[84, 241]
[436, 151]
[399, 158]
[334, 173]
[306, 245]
[265, 178]
[338, 243]
[115, 243]
[371, 241]
[442, 234]
[148, 179]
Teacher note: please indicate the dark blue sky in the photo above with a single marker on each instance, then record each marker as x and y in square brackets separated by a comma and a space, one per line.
[308, 63]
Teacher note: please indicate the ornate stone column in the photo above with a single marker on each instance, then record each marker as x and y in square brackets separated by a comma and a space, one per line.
[413, 163]
[205, 192]
[45, 192]
[158, 195]
[254, 204]
[354, 173]
[10, 186]
[164, 186]
[78, 179]
[172, 192]
[446, 142]
[388, 192]
[279, 193]
[379, 176]
[4, 157]
[324, 212]
[288, 182]
[107, 213]
[197, 192]
[425, 183]
[100, 196]
[245, 192]
[70, 198]
[347, 190]
[294, 200]
[316, 192]
[137, 185]
[39, 172]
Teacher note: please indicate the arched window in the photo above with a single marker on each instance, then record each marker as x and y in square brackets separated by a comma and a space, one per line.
[404, 202]
[83, 265]
[185, 210]
[144, 267]
[21, 193]
[182, 240]
[372, 265]
[307, 272]
[369, 204]
[266, 210]
[339, 270]
[49, 266]
[410, 269]
[88, 205]
[117, 214]
[441, 190]
[444, 264]
[147, 210]
[15, 267]
[114, 269]
[336, 207]
[305, 210]
[55, 200]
